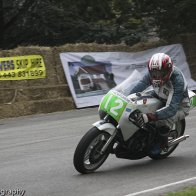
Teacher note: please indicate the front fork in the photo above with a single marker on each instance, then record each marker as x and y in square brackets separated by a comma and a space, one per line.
[102, 125]
[107, 144]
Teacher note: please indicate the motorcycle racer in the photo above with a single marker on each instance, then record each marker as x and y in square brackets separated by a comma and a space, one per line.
[170, 86]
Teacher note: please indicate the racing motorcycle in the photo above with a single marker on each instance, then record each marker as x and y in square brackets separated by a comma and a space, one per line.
[117, 131]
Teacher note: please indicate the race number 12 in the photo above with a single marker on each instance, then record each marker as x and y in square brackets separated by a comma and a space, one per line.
[117, 105]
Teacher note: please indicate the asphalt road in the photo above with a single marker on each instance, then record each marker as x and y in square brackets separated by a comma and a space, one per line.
[36, 155]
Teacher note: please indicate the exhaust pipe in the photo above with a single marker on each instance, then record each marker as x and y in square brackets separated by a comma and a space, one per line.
[178, 140]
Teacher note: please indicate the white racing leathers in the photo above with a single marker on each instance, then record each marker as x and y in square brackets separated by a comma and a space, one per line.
[174, 95]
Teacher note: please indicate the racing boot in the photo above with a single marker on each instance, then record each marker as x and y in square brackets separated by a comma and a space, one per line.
[156, 149]
[163, 136]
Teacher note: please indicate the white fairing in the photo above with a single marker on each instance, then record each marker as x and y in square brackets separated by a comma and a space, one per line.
[108, 127]
[127, 128]
[150, 106]
[144, 102]
[191, 94]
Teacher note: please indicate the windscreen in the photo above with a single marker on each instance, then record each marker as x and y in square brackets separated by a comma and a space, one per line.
[127, 85]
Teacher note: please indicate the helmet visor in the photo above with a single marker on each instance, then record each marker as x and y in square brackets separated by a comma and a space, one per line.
[159, 74]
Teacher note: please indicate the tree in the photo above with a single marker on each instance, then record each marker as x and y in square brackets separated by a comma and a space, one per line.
[171, 17]
[40, 22]
[1, 23]
[56, 22]
[119, 24]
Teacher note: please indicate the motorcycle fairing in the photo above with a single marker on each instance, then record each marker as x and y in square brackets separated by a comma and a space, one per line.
[108, 127]
[114, 104]
[192, 97]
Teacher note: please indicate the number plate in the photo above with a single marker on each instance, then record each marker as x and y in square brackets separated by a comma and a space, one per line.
[114, 104]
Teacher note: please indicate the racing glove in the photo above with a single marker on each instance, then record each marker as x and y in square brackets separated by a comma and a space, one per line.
[145, 118]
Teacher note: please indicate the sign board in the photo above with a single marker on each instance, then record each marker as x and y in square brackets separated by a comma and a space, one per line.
[22, 67]
[91, 74]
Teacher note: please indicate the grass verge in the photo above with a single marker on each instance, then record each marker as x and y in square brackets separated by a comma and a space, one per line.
[191, 191]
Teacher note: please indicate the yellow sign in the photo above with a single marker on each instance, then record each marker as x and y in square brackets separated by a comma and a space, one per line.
[22, 67]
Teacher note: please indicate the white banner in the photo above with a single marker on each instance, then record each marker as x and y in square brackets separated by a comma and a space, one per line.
[91, 74]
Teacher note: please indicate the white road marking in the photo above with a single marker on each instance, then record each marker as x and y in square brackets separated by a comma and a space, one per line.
[162, 187]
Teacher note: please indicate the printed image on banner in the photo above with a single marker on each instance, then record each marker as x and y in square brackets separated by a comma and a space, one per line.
[22, 67]
[90, 77]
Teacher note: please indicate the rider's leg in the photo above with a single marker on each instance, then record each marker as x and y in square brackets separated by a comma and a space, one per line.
[163, 136]
[165, 126]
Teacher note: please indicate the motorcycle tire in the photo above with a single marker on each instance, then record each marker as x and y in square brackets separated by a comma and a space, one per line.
[180, 130]
[87, 157]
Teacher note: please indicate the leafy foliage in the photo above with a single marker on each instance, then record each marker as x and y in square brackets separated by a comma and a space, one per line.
[56, 22]
[171, 17]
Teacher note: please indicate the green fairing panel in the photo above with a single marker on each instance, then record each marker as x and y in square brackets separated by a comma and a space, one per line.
[193, 101]
[114, 104]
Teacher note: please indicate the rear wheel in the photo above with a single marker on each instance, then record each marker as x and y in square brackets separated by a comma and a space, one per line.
[87, 156]
[173, 134]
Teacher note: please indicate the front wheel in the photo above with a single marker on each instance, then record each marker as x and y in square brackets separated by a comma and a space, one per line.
[87, 156]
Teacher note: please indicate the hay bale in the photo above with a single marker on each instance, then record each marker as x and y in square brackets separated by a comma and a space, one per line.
[51, 94]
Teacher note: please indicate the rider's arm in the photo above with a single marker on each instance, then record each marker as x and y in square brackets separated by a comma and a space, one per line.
[174, 99]
[142, 84]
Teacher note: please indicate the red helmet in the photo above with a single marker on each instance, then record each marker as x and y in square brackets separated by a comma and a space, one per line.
[160, 68]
